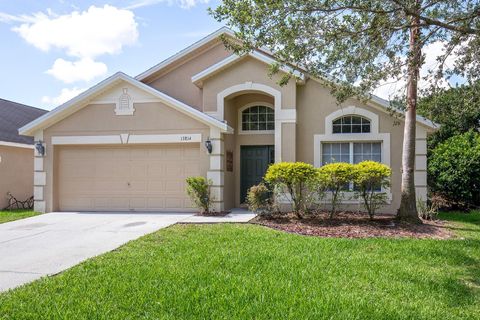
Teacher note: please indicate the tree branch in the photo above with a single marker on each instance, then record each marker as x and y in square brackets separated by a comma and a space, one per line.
[446, 25]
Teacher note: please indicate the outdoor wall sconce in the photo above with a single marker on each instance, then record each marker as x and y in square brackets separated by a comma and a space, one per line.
[40, 148]
[208, 145]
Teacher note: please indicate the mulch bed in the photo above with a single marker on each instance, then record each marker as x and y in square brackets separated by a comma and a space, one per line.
[213, 214]
[355, 225]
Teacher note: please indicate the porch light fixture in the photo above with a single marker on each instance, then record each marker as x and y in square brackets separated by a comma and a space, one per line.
[40, 148]
[208, 145]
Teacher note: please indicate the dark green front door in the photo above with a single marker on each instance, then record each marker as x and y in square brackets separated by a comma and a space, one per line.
[254, 161]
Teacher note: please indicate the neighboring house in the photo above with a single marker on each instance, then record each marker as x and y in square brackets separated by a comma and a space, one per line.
[127, 144]
[16, 151]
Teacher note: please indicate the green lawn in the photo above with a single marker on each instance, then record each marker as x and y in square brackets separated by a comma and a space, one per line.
[251, 272]
[11, 215]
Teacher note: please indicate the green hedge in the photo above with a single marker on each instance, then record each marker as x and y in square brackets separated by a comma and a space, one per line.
[454, 169]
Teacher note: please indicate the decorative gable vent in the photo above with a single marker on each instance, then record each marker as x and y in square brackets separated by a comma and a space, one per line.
[124, 105]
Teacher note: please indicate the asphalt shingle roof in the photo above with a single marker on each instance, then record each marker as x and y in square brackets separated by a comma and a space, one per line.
[14, 115]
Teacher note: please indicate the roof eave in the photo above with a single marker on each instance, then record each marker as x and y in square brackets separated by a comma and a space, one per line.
[156, 68]
[199, 78]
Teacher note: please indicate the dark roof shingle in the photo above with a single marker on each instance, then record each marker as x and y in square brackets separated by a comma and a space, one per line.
[13, 116]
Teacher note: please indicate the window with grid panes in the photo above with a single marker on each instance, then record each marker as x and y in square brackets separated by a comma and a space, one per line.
[258, 118]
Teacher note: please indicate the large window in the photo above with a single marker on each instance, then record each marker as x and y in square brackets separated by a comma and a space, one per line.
[258, 118]
[351, 152]
[351, 124]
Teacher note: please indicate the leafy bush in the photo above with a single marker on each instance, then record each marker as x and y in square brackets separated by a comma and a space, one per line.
[368, 177]
[336, 176]
[260, 199]
[198, 189]
[296, 178]
[454, 169]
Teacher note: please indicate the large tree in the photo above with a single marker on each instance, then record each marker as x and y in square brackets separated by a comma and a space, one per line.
[356, 45]
[457, 110]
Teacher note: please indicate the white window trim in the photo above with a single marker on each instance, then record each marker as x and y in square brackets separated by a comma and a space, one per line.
[373, 136]
[252, 104]
[319, 139]
[383, 138]
[348, 111]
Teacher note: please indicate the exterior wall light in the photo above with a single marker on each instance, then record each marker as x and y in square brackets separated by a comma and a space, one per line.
[208, 145]
[40, 148]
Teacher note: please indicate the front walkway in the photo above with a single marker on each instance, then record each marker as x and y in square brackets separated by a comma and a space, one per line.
[50, 243]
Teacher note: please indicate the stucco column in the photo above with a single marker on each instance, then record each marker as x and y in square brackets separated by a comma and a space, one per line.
[39, 177]
[421, 164]
[285, 135]
[216, 171]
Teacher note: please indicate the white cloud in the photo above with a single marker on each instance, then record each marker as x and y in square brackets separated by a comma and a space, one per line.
[82, 70]
[184, 4]
[65, 95]
[86, 34]
[432, 51]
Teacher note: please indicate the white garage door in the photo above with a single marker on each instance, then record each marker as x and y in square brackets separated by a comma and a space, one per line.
[140, 178]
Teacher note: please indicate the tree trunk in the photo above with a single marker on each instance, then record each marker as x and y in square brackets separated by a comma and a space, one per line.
[408, 205]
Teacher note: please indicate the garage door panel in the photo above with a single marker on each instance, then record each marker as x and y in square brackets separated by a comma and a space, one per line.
[133, 178]
[79, 186]
[173, 186]
[122, 169]
[191, 154]
[77, 204]
[138, 186]
[156, 203]
[139, 153]
[174, 203]
[109, 186]
[138, 203]
[139, 169]
[156, 169]
[104, 169]
[155, 187]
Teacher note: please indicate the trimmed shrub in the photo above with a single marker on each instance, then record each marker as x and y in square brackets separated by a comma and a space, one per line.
[260, 199]
[198, 189]
[368, 177]
[296, 178]
[454, 169]
[336, 177]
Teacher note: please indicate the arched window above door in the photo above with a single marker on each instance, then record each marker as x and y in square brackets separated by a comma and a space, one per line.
[257, 118]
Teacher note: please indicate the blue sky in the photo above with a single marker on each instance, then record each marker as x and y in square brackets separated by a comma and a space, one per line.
[128, 36]
[52, 50]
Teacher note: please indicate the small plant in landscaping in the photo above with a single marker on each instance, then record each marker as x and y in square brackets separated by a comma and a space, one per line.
[335, 177]
[369, 176]
[428, 210]
[260, 199]
[198, 189]
[296, 178]
[425, 210]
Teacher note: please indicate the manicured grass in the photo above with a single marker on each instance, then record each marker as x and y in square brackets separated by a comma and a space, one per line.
[12, 215]
[251, 272]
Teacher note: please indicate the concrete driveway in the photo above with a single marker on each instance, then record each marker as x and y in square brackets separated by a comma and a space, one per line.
[50, 243]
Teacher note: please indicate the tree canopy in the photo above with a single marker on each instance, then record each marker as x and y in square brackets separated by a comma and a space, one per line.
[359, 44]
[457, 110]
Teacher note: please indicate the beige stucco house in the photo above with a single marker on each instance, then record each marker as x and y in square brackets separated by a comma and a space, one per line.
[16, 152]
[127, 144]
